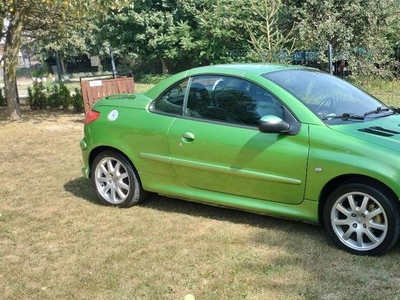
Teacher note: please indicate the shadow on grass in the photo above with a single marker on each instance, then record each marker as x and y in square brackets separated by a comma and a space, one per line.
[293, 246]
[173, 205]
[81, 188]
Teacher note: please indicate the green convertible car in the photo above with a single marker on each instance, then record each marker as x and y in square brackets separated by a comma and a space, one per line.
[284, 141]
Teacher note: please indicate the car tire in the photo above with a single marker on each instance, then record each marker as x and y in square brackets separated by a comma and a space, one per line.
[362, 219]
[115, 181]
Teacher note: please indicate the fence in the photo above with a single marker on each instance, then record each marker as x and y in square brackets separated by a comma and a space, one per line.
[95, 89]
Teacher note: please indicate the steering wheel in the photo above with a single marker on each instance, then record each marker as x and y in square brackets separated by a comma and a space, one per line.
[327, 105]
[219, 85]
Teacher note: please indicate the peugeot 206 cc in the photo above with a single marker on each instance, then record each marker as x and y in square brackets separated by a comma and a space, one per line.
[283, 141]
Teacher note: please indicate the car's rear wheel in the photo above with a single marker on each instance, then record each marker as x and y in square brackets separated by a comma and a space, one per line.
[362, 219]
[115, 180]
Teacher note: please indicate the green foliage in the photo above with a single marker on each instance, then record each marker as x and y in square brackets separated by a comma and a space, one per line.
[181, 32]
[3, 101]
[37, 96]
[151, 79]
[184, 33]
[59, 97]
[77, 101]
[358, 30]
[54, 22]
[270, 42]
[40, 72]
[151, 29]
[221, 34]
[66, 26]
[54, 97]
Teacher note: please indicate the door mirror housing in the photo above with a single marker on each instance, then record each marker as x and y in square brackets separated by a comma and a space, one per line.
[274, 124]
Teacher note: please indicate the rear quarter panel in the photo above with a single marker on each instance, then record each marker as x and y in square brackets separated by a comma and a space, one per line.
[134, 131]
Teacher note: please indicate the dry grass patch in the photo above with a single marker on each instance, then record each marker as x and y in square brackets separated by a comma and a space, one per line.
[56, 242]
[387, 91]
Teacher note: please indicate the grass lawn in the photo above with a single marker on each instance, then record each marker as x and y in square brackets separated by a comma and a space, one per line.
[387, 91]
[57, 242]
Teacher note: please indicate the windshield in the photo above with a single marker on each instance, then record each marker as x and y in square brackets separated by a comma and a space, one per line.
[332, 99]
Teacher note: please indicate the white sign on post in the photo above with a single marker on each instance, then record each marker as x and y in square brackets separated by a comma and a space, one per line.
[95, 83]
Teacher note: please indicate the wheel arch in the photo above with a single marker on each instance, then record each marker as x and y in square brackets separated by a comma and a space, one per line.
[334, 183]
[96, 151]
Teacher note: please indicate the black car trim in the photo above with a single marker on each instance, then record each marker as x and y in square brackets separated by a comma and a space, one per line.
[377, 130]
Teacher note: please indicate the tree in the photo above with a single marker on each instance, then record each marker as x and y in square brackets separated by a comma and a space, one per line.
[358, 30]
[221, 32]
[20, 14]
[267, 34]
[12, 25]
[64, 36]
[150, 29]
[181, 32]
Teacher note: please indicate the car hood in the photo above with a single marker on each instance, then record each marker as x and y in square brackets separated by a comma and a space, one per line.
[383, 131]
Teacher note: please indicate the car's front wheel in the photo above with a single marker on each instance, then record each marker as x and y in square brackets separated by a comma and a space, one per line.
[115, 181]
[362, 219]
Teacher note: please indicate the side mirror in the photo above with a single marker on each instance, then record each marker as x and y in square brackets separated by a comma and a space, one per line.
[273, 124]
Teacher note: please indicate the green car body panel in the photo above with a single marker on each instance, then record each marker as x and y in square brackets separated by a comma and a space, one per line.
[239, 166]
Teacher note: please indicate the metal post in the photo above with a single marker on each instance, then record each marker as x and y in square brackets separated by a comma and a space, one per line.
[114, 71]
[330, 59]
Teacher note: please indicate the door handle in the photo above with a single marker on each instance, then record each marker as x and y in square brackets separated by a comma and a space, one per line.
[187, 137]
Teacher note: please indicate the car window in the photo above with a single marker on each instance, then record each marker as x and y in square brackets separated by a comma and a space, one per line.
[171, 101]
[231, 100]
[327, 96]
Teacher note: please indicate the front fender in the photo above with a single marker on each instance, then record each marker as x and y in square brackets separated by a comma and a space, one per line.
[337, 154]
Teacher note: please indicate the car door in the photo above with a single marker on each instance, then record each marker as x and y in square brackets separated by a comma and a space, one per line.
[225, 152]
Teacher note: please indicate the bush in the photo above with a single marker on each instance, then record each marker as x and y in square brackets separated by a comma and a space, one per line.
[77, 101]
[54, 99]
[65, 95]
[59, 97]
[37, 96]
[55, 96]
[3, 101]
[40, 72]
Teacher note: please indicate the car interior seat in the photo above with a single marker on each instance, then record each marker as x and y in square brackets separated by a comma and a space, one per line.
[198, 98]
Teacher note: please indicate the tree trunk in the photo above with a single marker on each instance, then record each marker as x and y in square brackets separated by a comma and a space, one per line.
[10, 60]
[63, 68]
[10, 91]
[164, 66]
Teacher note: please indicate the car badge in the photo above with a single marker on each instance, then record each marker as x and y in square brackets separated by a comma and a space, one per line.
[112, 115]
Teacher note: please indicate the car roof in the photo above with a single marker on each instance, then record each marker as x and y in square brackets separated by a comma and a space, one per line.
[237, 69]
[254, 68]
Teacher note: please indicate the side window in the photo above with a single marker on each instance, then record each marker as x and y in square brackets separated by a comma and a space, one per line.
[230, 99]
[199, 100]
[171, 101]
[266, 103]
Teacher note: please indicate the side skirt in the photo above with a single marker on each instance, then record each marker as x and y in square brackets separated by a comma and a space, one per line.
[307, 211]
